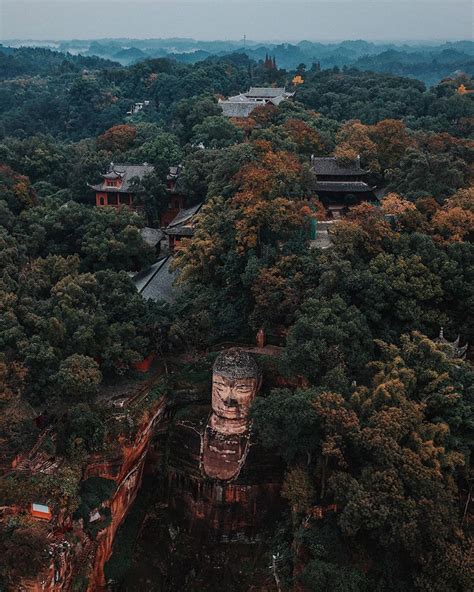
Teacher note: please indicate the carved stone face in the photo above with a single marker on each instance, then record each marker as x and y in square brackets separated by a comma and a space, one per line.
[231, 397]
[235, 382]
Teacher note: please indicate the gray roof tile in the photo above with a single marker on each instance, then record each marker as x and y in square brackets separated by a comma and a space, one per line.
[328, 165]
[126, 172]
[156, 282]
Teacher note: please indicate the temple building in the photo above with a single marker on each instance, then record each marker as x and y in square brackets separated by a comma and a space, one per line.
[182, 226]
[116, 188]
[340, 186]
[157, 282]
[242, 105]
[177, 196]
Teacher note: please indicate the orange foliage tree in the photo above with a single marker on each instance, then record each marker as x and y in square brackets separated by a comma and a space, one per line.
[268, 203]
[353, 139]
[118, 137]
[396, 205]
[304, 136]
[380, 146]
[392, 140]
[454, 222]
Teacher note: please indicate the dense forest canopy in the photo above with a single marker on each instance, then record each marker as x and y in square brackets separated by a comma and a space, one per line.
[376, 416]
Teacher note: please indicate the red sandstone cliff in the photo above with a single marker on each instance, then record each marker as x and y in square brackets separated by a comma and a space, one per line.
[125, 467]
[127, 473]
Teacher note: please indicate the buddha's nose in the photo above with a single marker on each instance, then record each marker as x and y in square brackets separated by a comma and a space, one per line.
[230, 402]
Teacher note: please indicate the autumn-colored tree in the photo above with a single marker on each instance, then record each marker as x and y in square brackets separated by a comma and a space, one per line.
[403, 213]
[464, 198]
[353, 139]
[453, 224]
[372, 223]
[392, 140]
[304, 136]
[16, 190]
[266, 202]
[117, 138]
[246, 124]
[395, 205]
[264, 115]
[428, 206]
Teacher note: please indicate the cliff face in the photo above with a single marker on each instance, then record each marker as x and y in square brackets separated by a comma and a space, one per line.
[198, 533]
[88, 556]
[127, 472]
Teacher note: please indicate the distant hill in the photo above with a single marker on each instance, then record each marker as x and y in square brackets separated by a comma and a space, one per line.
[40, 61]
[129, 56]
[427, 62]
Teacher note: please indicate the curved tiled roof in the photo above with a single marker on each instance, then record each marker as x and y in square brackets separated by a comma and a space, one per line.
[328, 165]
[126, 172]
[184, 216]
[156, 282]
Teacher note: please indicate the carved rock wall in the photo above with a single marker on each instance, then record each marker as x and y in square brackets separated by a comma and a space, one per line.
[225, 510]
[127, 473]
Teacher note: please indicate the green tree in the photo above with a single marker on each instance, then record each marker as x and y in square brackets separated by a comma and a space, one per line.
[216, 131]
[328, 333]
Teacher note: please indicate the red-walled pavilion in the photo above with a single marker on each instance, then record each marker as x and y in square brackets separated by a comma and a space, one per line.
[117, 189]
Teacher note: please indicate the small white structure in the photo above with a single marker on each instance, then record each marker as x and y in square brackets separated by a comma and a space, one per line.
[137, 107]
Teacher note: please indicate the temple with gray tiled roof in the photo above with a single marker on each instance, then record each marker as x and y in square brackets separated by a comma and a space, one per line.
[243, 104]
[340, 185]
[182, 226]
[123, 174]
[117, 186]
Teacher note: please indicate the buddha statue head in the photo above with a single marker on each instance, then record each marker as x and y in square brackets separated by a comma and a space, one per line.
[235, 382]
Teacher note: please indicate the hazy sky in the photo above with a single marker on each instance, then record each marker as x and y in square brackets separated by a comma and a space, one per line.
[230, 19]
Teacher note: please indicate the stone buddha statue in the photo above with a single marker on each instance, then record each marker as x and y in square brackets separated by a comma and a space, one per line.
[236, 380]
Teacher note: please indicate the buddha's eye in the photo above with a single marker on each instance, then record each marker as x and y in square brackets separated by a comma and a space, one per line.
[243, 388]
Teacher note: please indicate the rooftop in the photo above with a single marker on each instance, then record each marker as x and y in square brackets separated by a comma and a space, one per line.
[126, 172]
[184, 216]
[267, 92]
[180, 231]
[243, 104]
[156, 282]
[237, 109]
[328, 165]
[151, 236]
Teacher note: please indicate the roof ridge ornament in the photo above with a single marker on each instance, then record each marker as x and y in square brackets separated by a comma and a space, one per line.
[452, 348]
